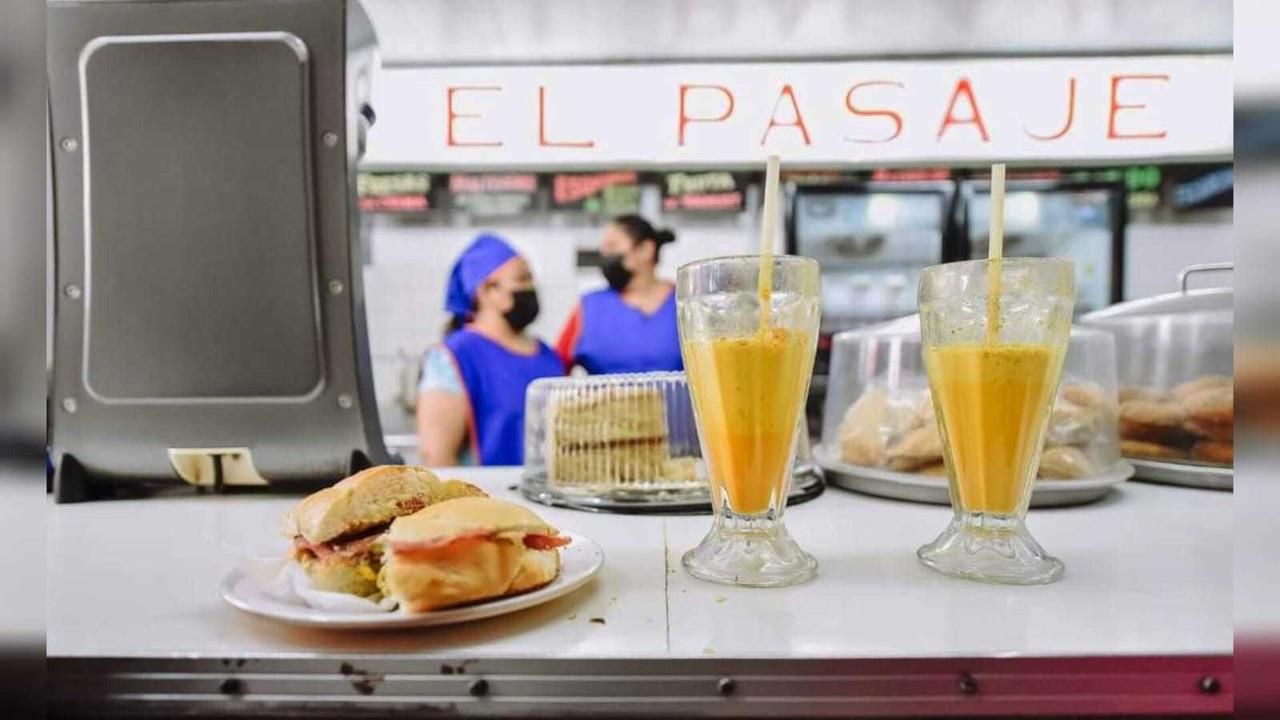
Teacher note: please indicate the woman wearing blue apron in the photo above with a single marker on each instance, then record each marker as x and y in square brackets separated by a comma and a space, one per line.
[471, 396]
[629, 326]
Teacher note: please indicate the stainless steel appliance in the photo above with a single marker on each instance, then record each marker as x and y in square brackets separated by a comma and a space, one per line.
[209, 320]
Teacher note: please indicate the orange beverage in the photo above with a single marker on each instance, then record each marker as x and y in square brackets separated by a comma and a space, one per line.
[993, 403]
[749, 393]
[748, 330]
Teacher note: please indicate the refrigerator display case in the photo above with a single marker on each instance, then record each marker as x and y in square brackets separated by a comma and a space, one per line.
[1084, 222]
[872, 240]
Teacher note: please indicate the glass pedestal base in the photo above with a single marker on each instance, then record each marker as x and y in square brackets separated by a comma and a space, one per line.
[755, 552]
[991, 548]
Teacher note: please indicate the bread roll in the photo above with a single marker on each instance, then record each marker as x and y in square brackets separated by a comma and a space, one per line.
[336, 531]
[1200, 384]
[1211, 451]
[1085, 396]
[1136, 392]
[934, 470]
[920, 447]
[1072, 424]
[1211, 413]
[1064, 462]
[862, 429]
[1158, 422]
[1154, 451]
[370, 498]
[467, 550]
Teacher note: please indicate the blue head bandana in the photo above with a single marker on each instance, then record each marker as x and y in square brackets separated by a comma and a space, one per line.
[482, 257]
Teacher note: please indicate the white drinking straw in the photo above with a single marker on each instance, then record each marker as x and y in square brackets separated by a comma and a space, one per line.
[995, 249]
[768, 223]
[995, 253]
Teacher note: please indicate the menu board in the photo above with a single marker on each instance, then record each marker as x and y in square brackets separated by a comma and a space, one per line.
[393, 191]
[608, 193]
[493, 194]
[702, 191]
[910, 174]
[810, 178]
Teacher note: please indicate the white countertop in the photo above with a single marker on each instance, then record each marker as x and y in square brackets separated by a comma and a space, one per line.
[1148, 573]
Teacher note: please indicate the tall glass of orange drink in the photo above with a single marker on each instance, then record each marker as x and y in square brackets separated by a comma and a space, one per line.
[748, 353]
[994, 335]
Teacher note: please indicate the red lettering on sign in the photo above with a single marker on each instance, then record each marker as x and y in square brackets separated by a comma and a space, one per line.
[542, 126]
[789, 94]
[975, 115]
[572, 188]
[1116, 106]
[874, 112]
[713, 201]
[685, 119]
[1071, 115]
[452, 115]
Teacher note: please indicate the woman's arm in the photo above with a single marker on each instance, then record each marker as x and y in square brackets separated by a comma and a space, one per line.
[442, 426]
[442, 410]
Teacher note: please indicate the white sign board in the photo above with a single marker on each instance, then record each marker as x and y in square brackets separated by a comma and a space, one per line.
[812, 113]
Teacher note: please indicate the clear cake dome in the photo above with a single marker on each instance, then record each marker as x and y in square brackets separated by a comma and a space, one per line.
[1175, 376]
[625, 442]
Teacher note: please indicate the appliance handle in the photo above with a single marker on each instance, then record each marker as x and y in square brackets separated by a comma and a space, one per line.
[1190, 270]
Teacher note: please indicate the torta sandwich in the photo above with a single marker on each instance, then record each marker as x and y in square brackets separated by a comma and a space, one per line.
[336, 532]
[467, 550]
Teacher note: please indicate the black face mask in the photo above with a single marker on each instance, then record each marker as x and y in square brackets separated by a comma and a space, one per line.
[615, 273]
[524, 309]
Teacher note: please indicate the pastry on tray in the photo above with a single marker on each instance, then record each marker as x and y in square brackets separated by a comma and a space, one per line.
[1195, 421]
[1213, 451]
[1151, 450]
[862, 434]
[898, 430]
[1137, 392]
[607, 437]
[1211, 414]
[916, 449]
[1199, 385]
[1065, 462]
[1085, 396]
[1071, 423]
[336, 531]
[938, 469]
[1156, 421]
[467, 550]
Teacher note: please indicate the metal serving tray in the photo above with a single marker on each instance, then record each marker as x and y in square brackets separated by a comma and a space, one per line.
[1172, 473]
[934, 490]
[807, 484]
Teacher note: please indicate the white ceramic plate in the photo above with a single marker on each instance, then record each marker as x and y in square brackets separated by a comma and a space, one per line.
[928, 489]
[580, 561]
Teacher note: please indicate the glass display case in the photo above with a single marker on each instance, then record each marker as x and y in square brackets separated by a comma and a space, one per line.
[625, 443]
[1176, 413]
[879, 422]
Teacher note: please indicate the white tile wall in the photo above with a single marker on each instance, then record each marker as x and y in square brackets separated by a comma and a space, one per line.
[1155, 254]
